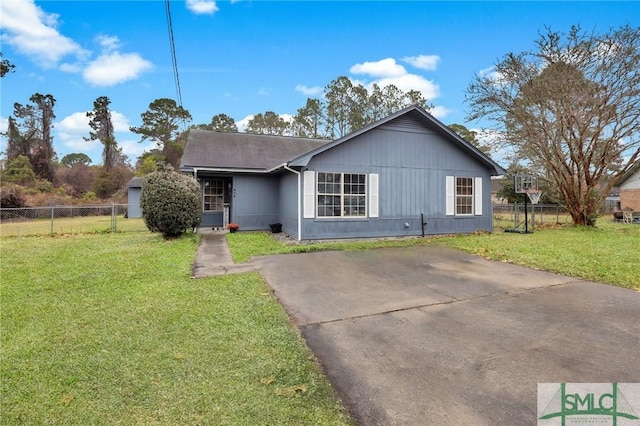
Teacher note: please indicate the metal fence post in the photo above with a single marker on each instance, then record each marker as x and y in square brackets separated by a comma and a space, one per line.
[52, 210]
[113, 217]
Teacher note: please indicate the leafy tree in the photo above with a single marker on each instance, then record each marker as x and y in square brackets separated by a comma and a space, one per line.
[33, 134]
[570, 108]
[17, 143]
[74, 159]
[146, 164]
[268, 123]
[471, 137]
[346, 106]
[19, 171]
[221, 123]
[5, 66]
[161, 125]
[170, 202]
[109, 182]
[309, 121]
[100, 122]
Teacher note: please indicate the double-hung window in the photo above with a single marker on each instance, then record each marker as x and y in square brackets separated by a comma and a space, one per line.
[341, 195]
[213, 195]
[464, 195]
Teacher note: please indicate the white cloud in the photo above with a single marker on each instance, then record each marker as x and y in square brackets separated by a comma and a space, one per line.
[423, 62]
[309, 91]
[382, 68]
[202, 7]
[113, 68]
[440, 111]
[242, 124]
[386, 72]
[4, 124]
[491, 74]
[119, 121]
[407, 82]
[134, 148]
[32, 31]
[72, 130]
[108, 43]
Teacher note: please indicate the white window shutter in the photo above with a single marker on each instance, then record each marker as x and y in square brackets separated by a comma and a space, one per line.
[450, 197]
[477, 192]
[309, 195]
[373, 195]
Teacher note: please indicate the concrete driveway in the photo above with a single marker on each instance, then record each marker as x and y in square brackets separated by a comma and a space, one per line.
[433, 336]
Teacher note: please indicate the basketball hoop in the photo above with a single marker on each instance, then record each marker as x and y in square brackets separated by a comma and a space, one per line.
[534, 195]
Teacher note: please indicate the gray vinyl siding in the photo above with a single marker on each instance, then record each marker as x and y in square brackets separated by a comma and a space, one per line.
[255, 201]
[412, 163]
[289, 204]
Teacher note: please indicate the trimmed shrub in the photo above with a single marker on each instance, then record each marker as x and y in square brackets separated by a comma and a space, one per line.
[170, 202]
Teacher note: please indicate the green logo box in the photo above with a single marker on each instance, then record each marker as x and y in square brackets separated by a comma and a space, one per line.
[616, 404]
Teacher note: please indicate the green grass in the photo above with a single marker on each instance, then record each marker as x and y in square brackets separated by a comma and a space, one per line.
[111, 329]
[69, 225]
[607, 253]
[245, 245]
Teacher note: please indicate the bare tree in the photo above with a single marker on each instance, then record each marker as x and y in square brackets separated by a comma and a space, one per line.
[571, 109]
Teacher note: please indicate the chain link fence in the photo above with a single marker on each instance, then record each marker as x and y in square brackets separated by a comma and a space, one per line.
[67, 220]
[512, 215]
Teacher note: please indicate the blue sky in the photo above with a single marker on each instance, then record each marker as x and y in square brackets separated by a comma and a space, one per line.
[247, 57]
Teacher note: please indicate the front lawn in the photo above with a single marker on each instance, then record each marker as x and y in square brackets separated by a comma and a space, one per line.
[111, 329]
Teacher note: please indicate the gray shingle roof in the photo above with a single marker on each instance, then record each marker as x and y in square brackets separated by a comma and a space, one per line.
[230, 150]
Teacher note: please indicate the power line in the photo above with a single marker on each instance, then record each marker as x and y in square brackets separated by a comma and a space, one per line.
[174, 61]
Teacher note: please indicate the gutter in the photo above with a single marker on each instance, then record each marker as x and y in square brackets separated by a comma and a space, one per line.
[286, 167]
[227, 170]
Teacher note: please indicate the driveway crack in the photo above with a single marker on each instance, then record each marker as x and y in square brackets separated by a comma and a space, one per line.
[445, 302]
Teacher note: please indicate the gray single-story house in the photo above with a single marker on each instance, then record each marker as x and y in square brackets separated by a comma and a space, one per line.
[407, 174]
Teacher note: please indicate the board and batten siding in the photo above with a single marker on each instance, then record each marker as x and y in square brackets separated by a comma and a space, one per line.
[255, 201]
[412, 163]
[288, 204]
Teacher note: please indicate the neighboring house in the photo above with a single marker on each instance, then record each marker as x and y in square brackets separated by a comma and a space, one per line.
[629, 189]
[134, 190]
[383, 180]
[497, 183]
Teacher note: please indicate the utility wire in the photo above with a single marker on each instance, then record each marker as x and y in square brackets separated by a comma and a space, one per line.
[174, 61]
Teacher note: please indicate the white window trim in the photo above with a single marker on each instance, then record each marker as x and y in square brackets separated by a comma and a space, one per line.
[472, 196]
[451, 196]
[342, 195]
[204, 195]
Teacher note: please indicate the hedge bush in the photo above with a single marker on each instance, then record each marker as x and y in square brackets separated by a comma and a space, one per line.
[170, 202]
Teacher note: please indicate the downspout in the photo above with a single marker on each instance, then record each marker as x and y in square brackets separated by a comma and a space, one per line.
[299, 201]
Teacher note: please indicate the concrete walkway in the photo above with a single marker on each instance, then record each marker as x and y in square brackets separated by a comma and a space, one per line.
[213, 257]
